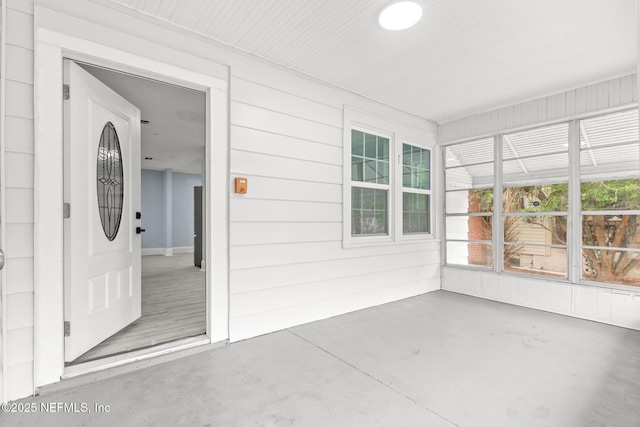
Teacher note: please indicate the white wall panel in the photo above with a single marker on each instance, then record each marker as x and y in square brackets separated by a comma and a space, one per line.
[19, 64]
[19, 311]
[298, 105]
[19, 241]
[18, 135]
[19, 28]
[267, 188]
[259, 141]
[20, 345]
[616, 307]
[284, 124]
[261, 278]
[286, 137]
[265, 322]
[256, 210]
[21, 95]
[614, 93]
[19, 275]
[19, 170]
[21, 202]
[293, 253]
[261, 233]
[244, 162]
[19, 380]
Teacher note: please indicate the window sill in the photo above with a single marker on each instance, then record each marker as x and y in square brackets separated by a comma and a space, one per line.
[363, 242]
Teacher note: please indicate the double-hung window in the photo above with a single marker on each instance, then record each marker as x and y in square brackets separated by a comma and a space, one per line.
[388, 181]
[369, 184]
[416, 189]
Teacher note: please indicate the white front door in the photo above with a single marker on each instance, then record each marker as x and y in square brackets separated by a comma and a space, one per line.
[102, 189]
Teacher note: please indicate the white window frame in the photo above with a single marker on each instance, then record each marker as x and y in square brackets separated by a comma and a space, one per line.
[403, 189]
[398, 133]
[574, 213]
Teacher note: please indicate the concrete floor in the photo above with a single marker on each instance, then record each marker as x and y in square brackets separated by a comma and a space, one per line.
[438, 360]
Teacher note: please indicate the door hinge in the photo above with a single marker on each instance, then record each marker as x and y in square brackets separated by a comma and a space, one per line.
[65, 91]
[66, 210]
[67, 329]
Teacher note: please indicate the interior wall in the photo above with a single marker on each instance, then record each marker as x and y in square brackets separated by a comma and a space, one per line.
[154, 219]
[614, 306]
[153, 209]
[287, 264]
[183, 214]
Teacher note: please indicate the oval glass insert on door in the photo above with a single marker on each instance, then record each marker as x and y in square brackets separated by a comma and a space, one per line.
[110, 181]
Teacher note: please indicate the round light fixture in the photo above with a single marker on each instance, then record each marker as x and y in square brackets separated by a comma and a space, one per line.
[399, 16]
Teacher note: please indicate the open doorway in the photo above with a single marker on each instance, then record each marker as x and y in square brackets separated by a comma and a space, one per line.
[173, 300]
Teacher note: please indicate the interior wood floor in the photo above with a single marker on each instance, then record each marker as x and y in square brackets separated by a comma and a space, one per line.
[173, 307]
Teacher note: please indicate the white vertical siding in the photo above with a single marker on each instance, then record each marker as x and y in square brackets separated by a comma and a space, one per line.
[19, 198]
[286, 257]
[615, 307]
[614, 93]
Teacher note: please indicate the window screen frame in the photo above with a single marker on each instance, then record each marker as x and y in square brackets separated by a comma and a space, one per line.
[575, 214]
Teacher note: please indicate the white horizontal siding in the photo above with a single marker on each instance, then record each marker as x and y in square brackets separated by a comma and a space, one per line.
[287, 262]
[248, 257]
[615, 93]
[19, 175]
[616, 307]
[285, 137]
[18, 135]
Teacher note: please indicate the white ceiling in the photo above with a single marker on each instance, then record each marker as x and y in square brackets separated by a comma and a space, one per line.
[174, 137]
[462, 58]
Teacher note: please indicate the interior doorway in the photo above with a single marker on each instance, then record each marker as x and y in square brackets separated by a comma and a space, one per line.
[172, 167]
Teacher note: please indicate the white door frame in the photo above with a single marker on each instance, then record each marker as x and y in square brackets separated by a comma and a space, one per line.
[50, 49]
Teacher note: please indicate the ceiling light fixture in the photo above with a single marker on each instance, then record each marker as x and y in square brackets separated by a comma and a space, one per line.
[399, 16]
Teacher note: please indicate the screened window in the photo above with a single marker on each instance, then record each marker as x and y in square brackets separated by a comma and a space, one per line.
[550, 209]
[610, 198]
[369, 184]
[416, 189]
[535, 200]
[469, 171]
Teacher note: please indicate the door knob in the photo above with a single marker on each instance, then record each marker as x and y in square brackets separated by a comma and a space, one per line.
[140, 230]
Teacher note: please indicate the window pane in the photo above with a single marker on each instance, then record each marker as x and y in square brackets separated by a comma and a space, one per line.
[370, 146]
[477, 151]
[357, 143]
[538, 258]
[609, 151]
[536, 198]
[610, 195]
[370, 158]
[415, 213]
[544, 230]
[480, 200]
[357, 168]
[469, 227]
[536, 155]
[469, 176]
[609, 129]
[617, 231]
[529, 260]
[611, 266]
[467, 253]
[416, 170]
[534, 142]
[383, 148]
[368, 211]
